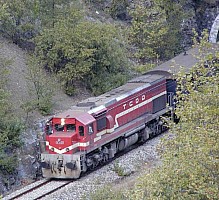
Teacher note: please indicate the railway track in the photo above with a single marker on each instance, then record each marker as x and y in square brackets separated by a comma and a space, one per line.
[35, 191]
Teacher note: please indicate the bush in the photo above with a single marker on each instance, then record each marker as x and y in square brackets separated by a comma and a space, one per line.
[76, 49]
[155, 30]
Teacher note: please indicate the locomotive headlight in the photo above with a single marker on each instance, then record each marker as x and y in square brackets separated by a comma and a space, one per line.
[67, 149]
[62, 121]
[52, 149]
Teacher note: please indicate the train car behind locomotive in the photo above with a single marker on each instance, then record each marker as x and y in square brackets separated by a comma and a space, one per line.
[97, 128]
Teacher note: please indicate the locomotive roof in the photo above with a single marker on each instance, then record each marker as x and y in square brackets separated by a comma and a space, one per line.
[80, 115]
[119, 93]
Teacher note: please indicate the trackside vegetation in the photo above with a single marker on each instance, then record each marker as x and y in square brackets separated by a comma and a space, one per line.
[69, 44]
[190, 168]
[79, 50]
[41, 88]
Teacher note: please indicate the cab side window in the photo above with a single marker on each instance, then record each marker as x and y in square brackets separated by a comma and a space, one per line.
[59, 127]
[48, 128]
[90, 129]
[81, 130]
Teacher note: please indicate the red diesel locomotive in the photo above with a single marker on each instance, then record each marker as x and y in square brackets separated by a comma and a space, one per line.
[97, 128]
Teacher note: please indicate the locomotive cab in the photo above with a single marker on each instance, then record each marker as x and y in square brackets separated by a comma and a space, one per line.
[67, 138]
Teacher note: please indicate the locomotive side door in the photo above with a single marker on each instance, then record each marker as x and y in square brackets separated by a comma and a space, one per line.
[91, 135]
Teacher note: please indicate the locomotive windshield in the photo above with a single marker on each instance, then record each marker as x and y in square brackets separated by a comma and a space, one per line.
[59, 127]
[65, 127]
[70, 127]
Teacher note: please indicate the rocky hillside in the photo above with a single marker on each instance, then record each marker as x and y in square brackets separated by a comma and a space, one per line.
[203, 16]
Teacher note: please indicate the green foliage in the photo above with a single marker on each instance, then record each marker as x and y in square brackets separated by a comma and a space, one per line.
[17, 18]
[101, 83]
[76, 49]
[107, 193]
[175, 15]
[148, 32]
[119, 169]
[22, 20]
[155, 30]
[144, 68]
[7, 163]
[10, 132]
[4, 72]
[190, 167]
[40, 88]
[50, 11]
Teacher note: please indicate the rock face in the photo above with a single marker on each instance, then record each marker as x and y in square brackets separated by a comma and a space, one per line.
[203, 14]
[206, 13]
[28, 167]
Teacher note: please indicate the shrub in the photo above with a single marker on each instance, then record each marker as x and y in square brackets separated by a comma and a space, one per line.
[76, 49]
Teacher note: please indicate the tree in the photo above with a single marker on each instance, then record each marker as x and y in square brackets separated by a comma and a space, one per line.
[51, 10]
[40, 87]
[80, 50]
[147, 32]
[17, 21]
[155, 30]
[175, 15]
[22, 20]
